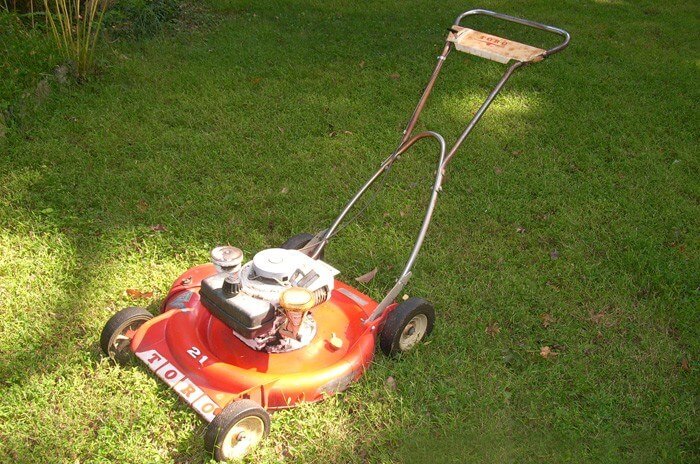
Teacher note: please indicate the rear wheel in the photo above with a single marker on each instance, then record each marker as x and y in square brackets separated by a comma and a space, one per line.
[115, 340]
[406, 326]
[236, 430]
[298, 242]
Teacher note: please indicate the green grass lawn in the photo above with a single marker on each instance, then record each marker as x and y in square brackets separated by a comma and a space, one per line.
[569, 220]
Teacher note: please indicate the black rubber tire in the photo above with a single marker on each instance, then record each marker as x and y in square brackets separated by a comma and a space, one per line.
[399, 318]
[128, 318]
[299, 241]
[232, 414]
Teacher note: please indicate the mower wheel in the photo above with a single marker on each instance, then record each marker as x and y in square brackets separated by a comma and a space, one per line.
[236, 430]
[298, 242]
[409, 323]
[118, 332]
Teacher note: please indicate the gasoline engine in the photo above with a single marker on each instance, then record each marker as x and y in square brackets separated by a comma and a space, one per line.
[267, 302]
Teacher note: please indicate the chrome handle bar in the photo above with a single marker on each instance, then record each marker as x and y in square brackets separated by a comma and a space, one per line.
[524, 22]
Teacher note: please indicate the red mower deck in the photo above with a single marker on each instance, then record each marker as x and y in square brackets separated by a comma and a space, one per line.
[198, 356]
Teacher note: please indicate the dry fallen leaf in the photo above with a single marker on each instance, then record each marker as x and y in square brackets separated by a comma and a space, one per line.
[284, 190]
[391, 383]
[521, 230]
[365, 278]
[138, 294]
[498, 170]
[395, 76]
[142, 206]
[361, 64]
[158, 228]
[256, 80]
[597, 318]
[547, 319]
[685, 365]
[546, 352]
[493, 328]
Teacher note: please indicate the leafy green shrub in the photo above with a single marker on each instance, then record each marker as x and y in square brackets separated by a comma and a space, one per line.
[32, 11]
[140, 18]
[25, 55]
[20, 6]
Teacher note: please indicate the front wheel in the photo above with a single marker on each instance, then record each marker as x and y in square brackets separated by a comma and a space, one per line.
[409, 323]
[115, 340]
[236, 430]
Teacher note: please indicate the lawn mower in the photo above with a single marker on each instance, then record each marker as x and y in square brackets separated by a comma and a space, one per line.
[236, 339]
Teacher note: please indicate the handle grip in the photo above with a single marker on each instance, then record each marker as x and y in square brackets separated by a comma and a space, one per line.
[524, 22]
